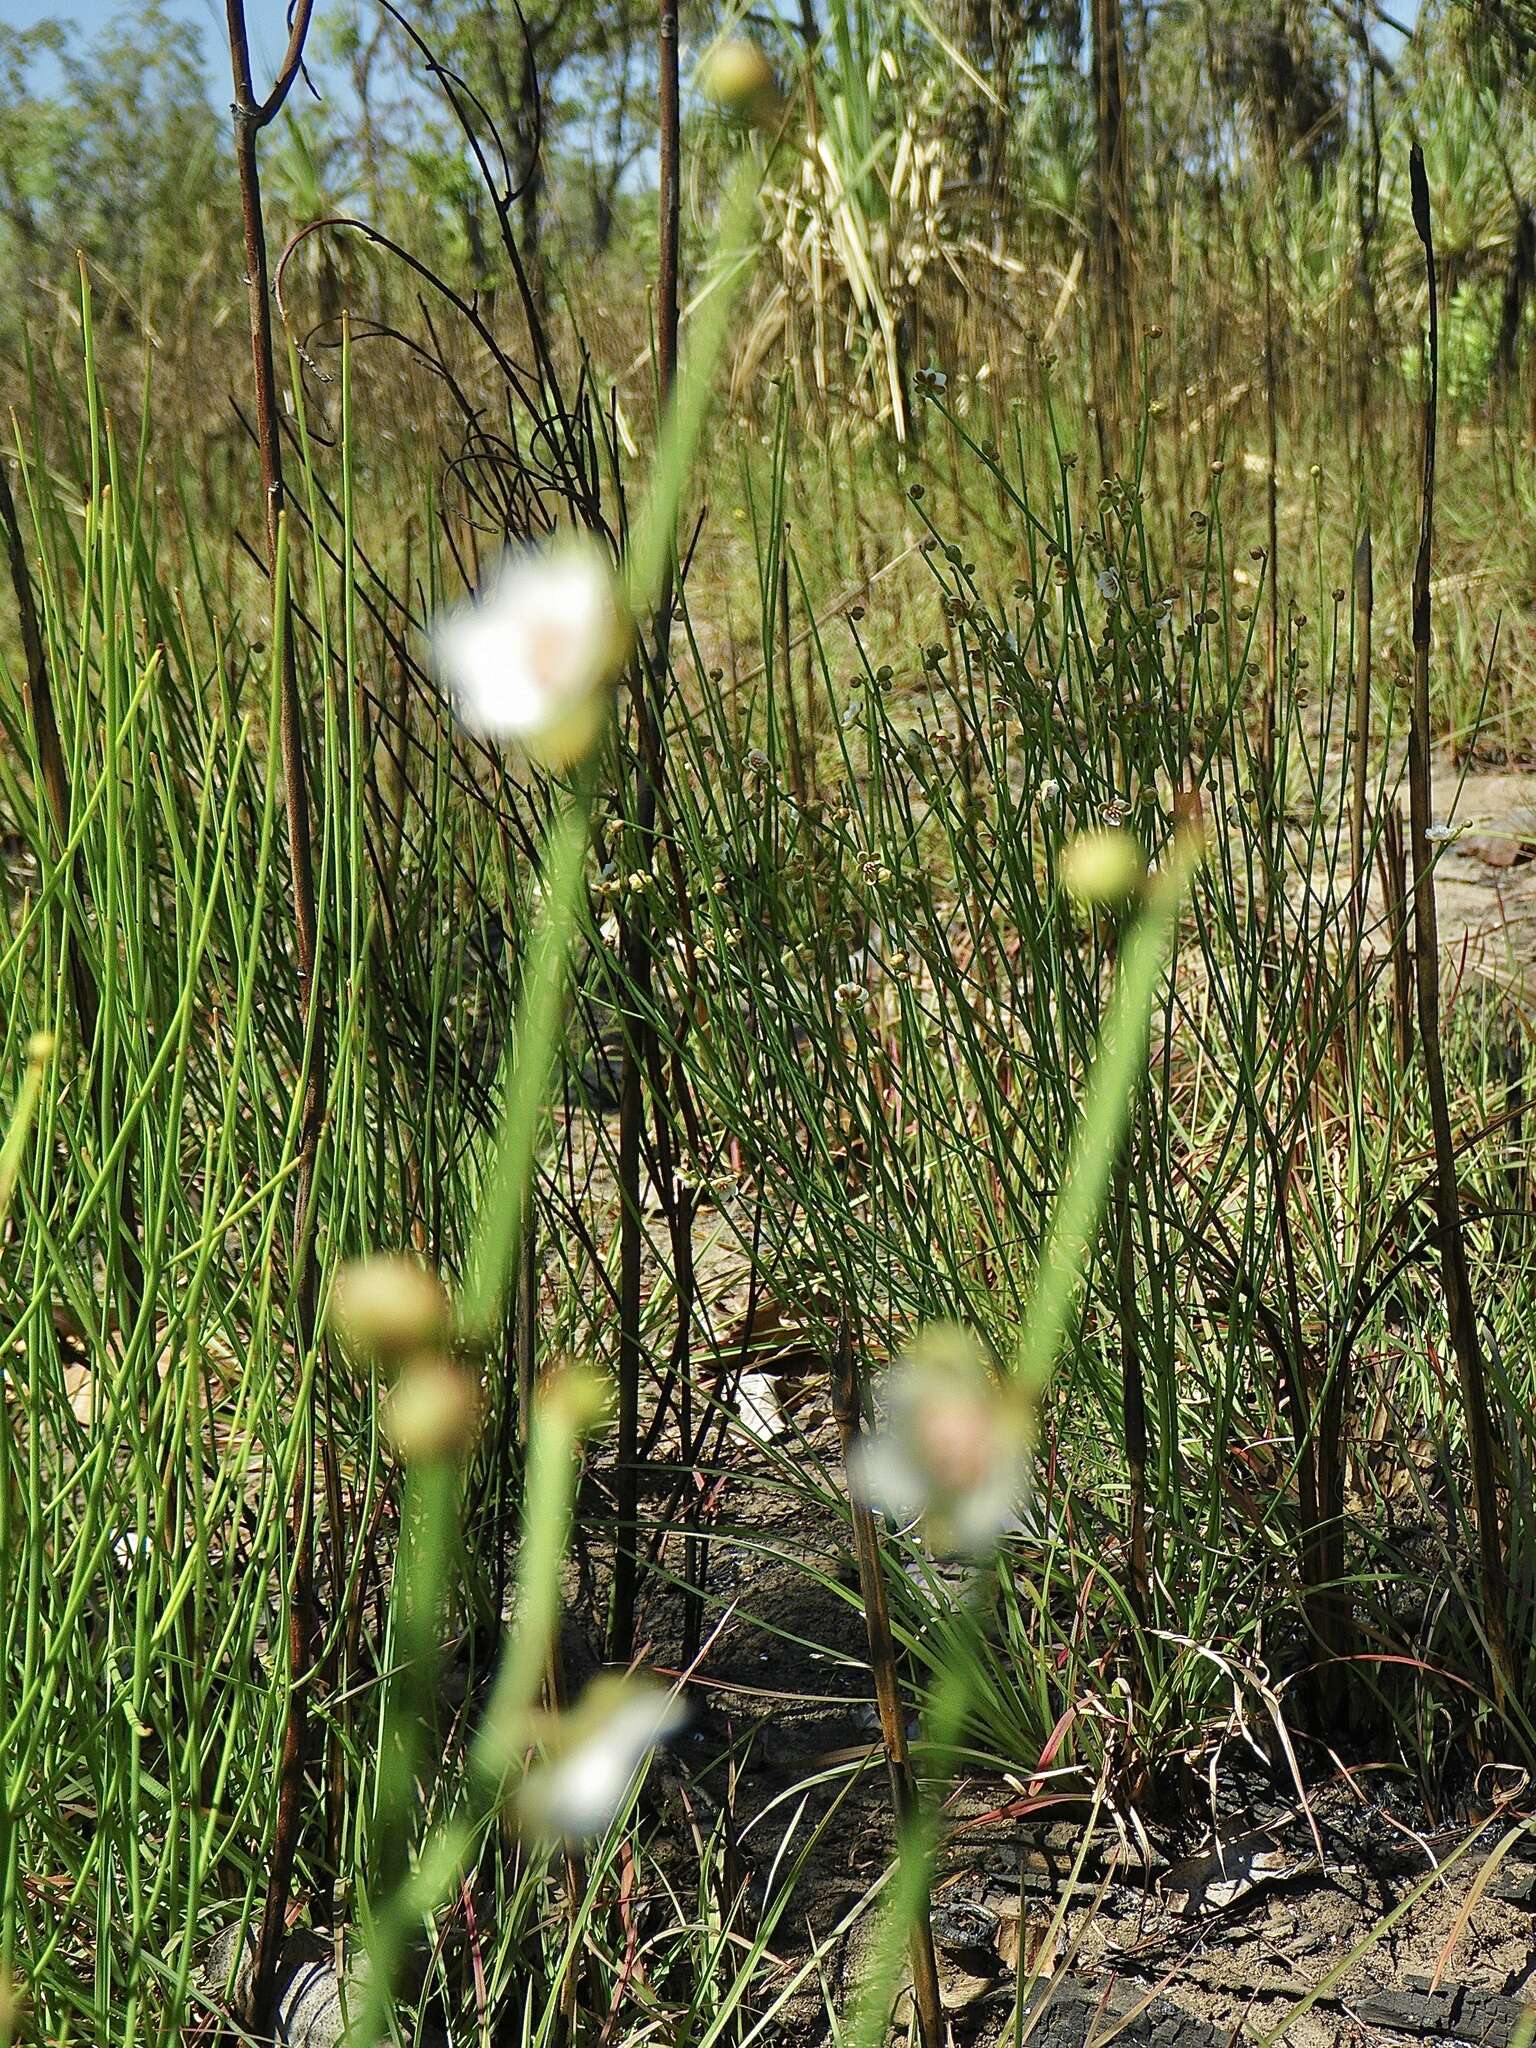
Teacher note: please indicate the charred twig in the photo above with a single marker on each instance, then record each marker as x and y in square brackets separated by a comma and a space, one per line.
[250, 116]
[1133, 1396]
[639, 1041]
[1359, 743]
[1268, 731]
[1455, 1274]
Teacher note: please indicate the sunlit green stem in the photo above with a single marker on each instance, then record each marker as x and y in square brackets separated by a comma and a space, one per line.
[13, 1148]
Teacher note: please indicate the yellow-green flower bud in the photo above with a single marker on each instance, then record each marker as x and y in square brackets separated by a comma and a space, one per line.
[1102, 867]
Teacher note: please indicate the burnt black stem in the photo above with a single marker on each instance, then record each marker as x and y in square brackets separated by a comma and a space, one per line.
[639, 1042]
[1267, 734]
[250, 116]
[1455, 1274]
[1359, 744]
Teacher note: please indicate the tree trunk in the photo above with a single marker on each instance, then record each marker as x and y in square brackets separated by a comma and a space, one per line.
[1112, 162]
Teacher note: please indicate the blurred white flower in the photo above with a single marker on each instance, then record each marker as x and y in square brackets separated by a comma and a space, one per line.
[954, 1451]
[1109, 585]
[593, 1754]
[1437, 835]
[530, 657]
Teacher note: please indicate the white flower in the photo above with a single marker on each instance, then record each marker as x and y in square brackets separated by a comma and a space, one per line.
[530, 656]
[593, 1755]
[1109, 585]
[1437, 835]
[954, 1451]
[757, 1406]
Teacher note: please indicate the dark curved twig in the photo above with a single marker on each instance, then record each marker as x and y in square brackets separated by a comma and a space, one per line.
[250, 117]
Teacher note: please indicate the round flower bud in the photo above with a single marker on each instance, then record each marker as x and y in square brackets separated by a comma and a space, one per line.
[389, 1307]
[432, 1410]
[738, 78]
[1102, 867]
[581, 1396]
